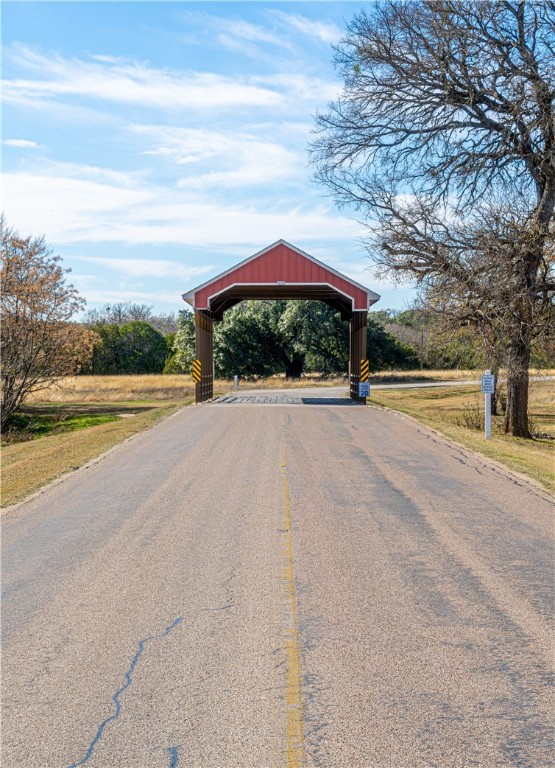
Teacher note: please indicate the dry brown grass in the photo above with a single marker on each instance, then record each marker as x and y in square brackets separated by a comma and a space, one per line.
[450, 375]
[112, 389]
[280, 382]
[87, 389]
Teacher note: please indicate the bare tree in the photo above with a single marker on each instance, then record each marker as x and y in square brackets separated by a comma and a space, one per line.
[39, 343]
[470, 272]
[123, 312]
[165, 322]
[119, 313]
[446, 107]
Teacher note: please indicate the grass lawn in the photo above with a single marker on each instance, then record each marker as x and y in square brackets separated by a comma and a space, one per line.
[451, 410]
[49, 419]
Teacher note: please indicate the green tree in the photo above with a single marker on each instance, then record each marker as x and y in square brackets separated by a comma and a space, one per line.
[122, 312]
[170, 365]
[247, 343]
[314, 338]
[106, 358]
[412, 328]
[385, 352]
[143, 349]
[260, 338]
[183, 349]
[132, 348]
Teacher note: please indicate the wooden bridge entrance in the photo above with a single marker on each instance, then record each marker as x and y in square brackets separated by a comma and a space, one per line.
[280, 271]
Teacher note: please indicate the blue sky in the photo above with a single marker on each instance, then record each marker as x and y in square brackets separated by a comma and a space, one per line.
[156, 144]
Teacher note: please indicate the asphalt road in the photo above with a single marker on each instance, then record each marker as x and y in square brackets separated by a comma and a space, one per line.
[264, 584]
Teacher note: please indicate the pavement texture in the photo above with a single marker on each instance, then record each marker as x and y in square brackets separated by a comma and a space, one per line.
[263, 584]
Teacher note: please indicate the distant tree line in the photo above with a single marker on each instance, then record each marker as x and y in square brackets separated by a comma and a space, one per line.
[255, 338]
[261, 338]
[131, 348]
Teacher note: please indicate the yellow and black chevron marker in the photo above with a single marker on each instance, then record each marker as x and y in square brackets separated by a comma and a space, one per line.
[364, 369]
[197, 368]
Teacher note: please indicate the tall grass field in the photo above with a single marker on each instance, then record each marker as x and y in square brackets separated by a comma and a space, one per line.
[176, 386]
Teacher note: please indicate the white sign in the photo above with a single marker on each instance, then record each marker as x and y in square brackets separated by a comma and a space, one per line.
[488, 388]
[363, 389]
[488, 384]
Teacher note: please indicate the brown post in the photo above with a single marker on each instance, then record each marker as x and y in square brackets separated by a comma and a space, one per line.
[357, 351]
[203, 337]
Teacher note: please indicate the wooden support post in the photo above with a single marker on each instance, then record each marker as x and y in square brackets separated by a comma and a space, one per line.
[357, 351]
[204, 389]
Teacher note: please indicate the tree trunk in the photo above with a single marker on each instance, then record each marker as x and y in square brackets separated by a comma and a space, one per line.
[294, 367]
[494, 399]
[516, 416]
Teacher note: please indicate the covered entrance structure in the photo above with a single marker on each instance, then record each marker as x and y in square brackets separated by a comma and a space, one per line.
[280, 271]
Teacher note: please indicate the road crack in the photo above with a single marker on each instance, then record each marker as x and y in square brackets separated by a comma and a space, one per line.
[173, 753]
[128, 677]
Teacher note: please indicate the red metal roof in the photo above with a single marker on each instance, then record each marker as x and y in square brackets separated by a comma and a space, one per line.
[280, 271]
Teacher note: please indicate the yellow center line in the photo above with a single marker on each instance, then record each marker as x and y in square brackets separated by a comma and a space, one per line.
[295, 754]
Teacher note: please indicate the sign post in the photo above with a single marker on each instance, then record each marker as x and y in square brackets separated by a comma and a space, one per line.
[364, 384]
[488, 388]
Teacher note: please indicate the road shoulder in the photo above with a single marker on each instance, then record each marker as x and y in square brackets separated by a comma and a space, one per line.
[470, 449]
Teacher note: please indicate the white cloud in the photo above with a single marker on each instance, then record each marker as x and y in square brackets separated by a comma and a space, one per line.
[71, 210]
[301, 88]
[21, 143]
[234, 32]
[321, 30]
[248, 175]
[129, 82]
[281, 30]
[242, 159]
[66, 208]
[237, 35]
[105, 59]
[147, 267]
[192, 145]
[95, 173]
[122, 81]
[110, 296]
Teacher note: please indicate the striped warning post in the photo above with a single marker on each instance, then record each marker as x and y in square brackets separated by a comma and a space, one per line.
[364, 370]
[197, 368]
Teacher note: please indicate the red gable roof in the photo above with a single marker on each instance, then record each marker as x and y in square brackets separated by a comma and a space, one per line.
[275, 268]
